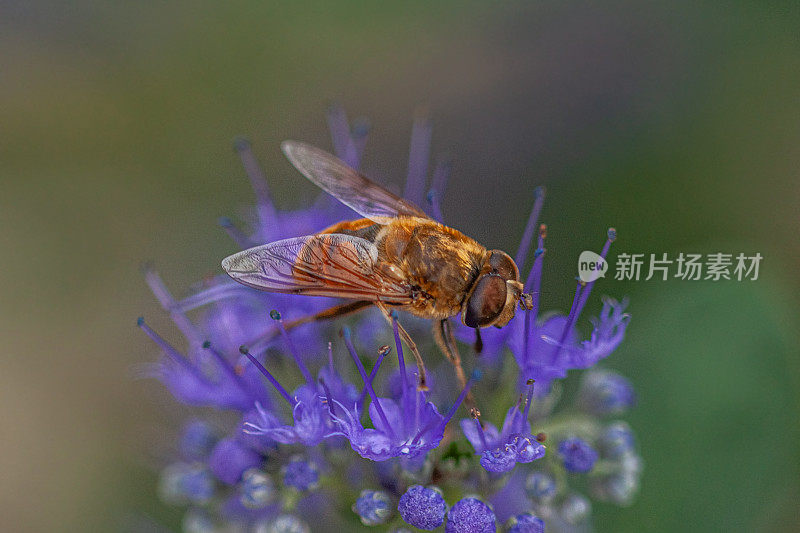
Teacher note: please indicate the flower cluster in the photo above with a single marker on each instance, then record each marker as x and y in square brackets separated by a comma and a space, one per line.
[313, 432]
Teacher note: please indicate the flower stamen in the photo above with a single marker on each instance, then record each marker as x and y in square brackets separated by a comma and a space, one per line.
[170, 350]
[533, 218]
[267, 374]
[276, 316]
[382, 352]
[349, 343]
[418, 157]
[267, 214]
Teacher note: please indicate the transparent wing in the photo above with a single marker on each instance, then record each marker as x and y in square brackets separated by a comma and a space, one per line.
[320, 265]
[348, 186]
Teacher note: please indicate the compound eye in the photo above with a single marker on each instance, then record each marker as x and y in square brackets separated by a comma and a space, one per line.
[486, 302]
[503, 265]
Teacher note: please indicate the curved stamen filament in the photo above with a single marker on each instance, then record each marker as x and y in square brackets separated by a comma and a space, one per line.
[170, 350]
[267, 213]
[349, 343]
[476, 416]
[527, 235]
[418, 157]
[328, 397]
[228, 369]
[267, 374]
[528, 402]
[381, 354]
[295, 354]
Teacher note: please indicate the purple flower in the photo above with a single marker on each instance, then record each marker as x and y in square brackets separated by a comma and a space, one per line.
[230, 459]
[501, 451]
[312, 420]
[607, 334]
[230, 320]
[256, 490]
[240, 315]
[575, 509]
[540, 487]
[397, 383]
[373, 507]
[532, 352]
[233, 348]
[604, 392]
[546, 351]
[616, 440]
[310, 416]
[409, 427]
[197, 440]
[423, 508]
[511, 499]
[301, 474]
[182, 483]
[284, 523]
[620, 483]
[526, 523]
[577, 455]
[470, 515]
[204, 379]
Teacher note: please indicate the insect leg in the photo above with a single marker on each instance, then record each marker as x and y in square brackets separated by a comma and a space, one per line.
[334, 312]
[443, 335]
[423, 379]
[262, 341]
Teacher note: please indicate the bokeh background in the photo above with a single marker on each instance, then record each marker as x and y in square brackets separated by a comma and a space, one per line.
[677, 123]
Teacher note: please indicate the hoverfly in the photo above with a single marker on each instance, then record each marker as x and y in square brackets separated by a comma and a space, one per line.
[396, 257]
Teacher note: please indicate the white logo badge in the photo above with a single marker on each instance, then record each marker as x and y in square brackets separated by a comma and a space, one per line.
[591, 266]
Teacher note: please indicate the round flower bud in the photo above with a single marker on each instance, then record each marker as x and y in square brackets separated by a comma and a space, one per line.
[197, 440]
[631, 463]
[182, 483]
[301, 474]
[423, 508]
[470, 515]
[603, 392]
[256, 489]
[284, 523]
[525, 523]
[540, 487]
[229, 321]
[197, 521]
[619, 488]
[575, 509]
[616, 440]
[230, 459]
[373, 507]
[577, 455]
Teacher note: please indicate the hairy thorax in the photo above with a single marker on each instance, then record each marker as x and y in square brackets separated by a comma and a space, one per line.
[440, 263]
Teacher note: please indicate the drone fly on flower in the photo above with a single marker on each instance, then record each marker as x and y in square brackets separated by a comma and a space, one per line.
[396, 257]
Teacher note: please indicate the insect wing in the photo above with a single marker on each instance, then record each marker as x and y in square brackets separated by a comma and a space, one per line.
[347, 185]
[319, 265]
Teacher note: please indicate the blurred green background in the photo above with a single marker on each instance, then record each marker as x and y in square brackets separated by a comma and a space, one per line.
[677, 123]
